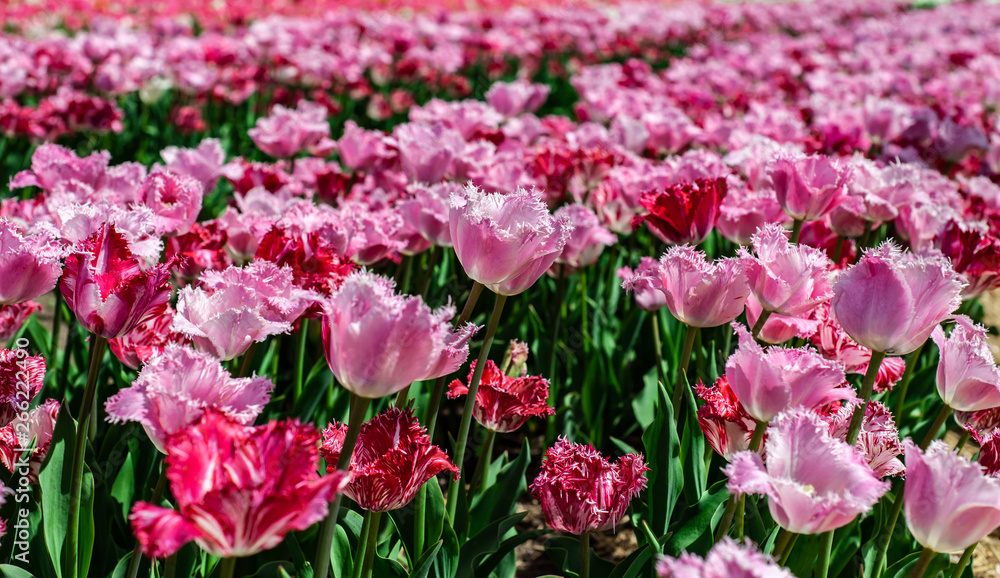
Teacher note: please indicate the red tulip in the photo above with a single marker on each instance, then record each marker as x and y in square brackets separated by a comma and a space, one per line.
[685, 212]
[504, 403]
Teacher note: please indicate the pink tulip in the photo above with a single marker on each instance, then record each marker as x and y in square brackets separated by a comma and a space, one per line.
[30, 265]
[727, 559]
[878, 440]
[968, 378]
[377, 342]
[786, 279]
[814, 483]
[287, 131]
[505, 241]
[833, 343]
[107, 289]
[426, 151]
[514, 98]
[891, 301]
[175, 200]
[950, 502]
[426, 211]
[723, 419]
[146, 341]
[21, 378]
[581, 491]
[644, 282]
[392, 459]
[18, 434]
[807, 188]
[778, 328]
[174, 389]
[12, 318]
[770, 381]
[586, 241]
[359, 149]
[701, 293]
[239, 490]
[206, 163]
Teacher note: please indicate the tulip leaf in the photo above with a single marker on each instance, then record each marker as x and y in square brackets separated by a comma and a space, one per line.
[692, 448]
[701, 522]
[904, 567]
[644, 404]
[8, 571]
[384, 568]
[666, 476]
[314, 390]
[506, 547]
[847, 541]
[341, 555]
[423, 565]
[634, 564]
[484, 543]
[55, 479]
[446, 562]
[121, 568]
[274, 570]
[564, 551]
[500, 499]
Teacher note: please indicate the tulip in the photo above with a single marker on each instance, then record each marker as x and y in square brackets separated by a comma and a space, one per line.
[426, 211]
[804, 498]
[504, 404]
[30, 265]
[206, 163]
[175, 200]
[315, 264]
[239, 490]
[723, 419]
[286, 131]
[145, 341]
[768, 382]
[700, 293]
[176, 388]
[505, 241]
[878, 440]
[201, 249]
[968, 378]
[359, 149]
[683, 213]
[727, 559]
[108, 290]
[21, 378]
[34, 428]
[586, 241]
[392, 459]
[808, 187]
[644, 283]
[514, 98]
[950, 502]
[989, 450]
[786, 279]
[778, 328]
[12, 317]
[973, 253]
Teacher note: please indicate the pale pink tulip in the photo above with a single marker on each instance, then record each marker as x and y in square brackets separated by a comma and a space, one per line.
[808, 187]
[698, 292]
[968, 378]
[786, 279]
[727, 559]
[30, 265]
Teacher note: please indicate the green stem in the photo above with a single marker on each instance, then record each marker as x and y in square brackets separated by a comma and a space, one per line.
[425, 281]
[56, 325]
[434, 403]
[920, 568]
[366, 571]
[962, 441]
[583, 308]
[904, 383]
[759, 324]
[359, 410]
[247, 361]
[727, 518]
[419, 519]
[964, 561]
[585, 555]
[867, 386]
[470, 403]
[359, 556]
[796, 230]
[482, 471]
[741, 505]
[837, 249]
[886, 537]
[758, 436]
[161, 483]
[658, 347]
[738, 515]
[300, 357]
[788, 549]
[556, 331]
[227, 567]
[72, 549]
[938, 422]
[781, 543]
[689, 334]
[824, 555]
[865, 237]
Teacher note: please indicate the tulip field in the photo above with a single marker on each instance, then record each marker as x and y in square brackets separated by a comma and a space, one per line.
[440, 289]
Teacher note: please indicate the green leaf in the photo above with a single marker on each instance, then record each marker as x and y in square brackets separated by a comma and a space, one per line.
[274, 570]
[666, 476]
[424, 563]
[707, 507]
[314, 389]
[384, 568]
[500, 499]
[693, 448]
[8, 571]
[123, 488]
[633, 565]
[446, 562]
[484, 543]
[644, 404]
[846, 542]
[121, 568]
[506, 547]
[565, 553]
[342, 555]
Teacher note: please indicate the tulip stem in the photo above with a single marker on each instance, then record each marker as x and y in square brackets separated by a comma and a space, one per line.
[796, 230]
[786, 554]
[56, 323]
[161, 483]
[470, 403]
[366, 570]
[867, 386]
[741, 504]
[865, 237]
[227, 567]
[964, 561]
[727, 518]
[781, 543]
[300, 356]
[962, 441]
[759, 324]
[419, 519]
[920, 568]
[359, 556]
[482, 471]
[72, 550]
[585, 555]
[434, 403]
[837, 249]
[689, 334]
[247, 361]
[738, 515]
[886, 538]
[935, 426]
[824, 555]
[658, 347]
[758, 435]
[359, 410]
[904, 383]
[425, 280]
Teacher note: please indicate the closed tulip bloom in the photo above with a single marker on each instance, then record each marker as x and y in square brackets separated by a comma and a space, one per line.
[175, 200]
[587, 239]
[36, 425]
[808, 187]
[392, 459]
[968, 378]
[786, 279]
[514, 98]
[106, 287]
[581, 491]
[891, 301]
[175, 389]
[723, 419]
[878, 440]
[683, 213]
[504, 403]
[21, 378]
[727, 559]
[770, 381]
[378, 342]
[147, 340]
[702, 293]
[814, 482]
[239, 490]
[30, 265]
[287, 131]
[950, 502]
[644, 284]
[505, 241]
[989, 450]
